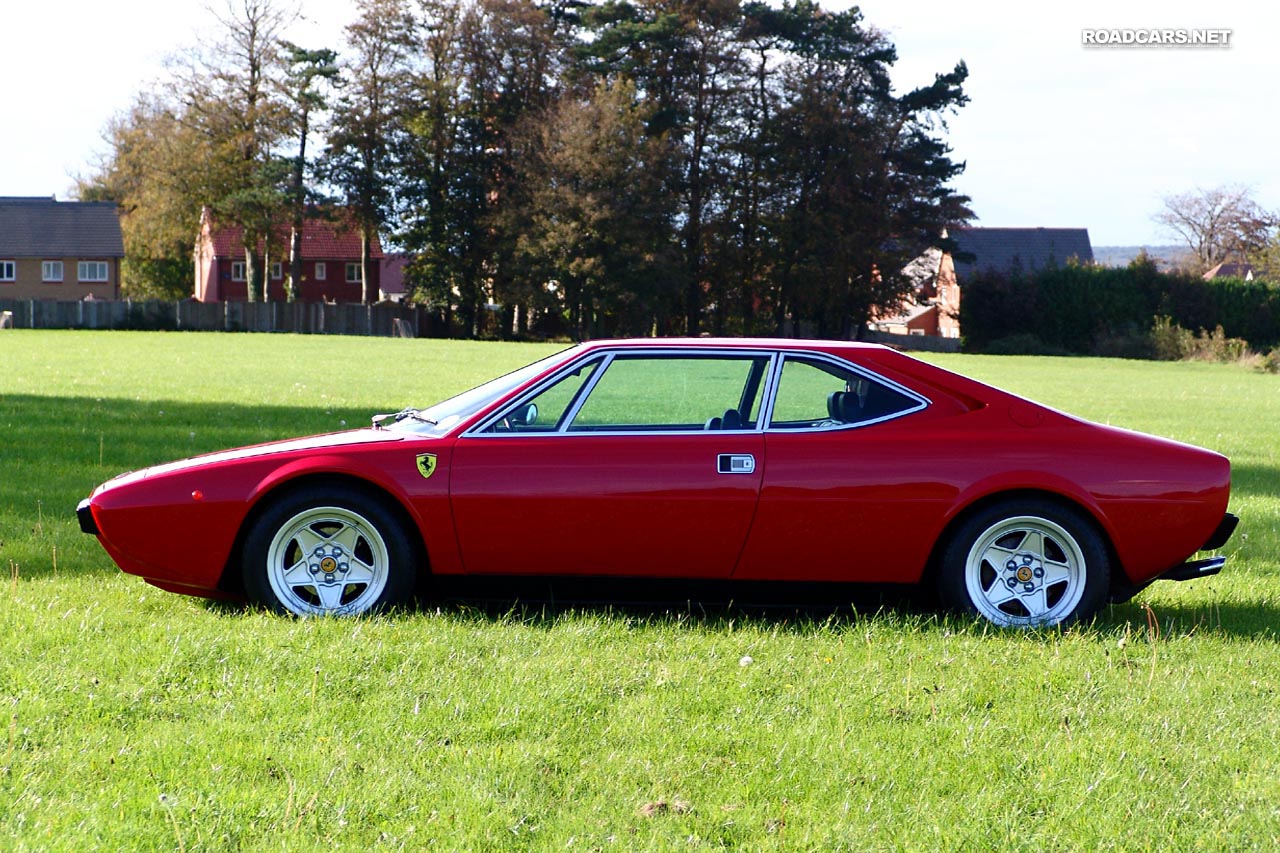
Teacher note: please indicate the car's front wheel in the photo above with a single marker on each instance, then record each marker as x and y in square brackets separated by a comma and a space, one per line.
[1026, 563]
[328, 551]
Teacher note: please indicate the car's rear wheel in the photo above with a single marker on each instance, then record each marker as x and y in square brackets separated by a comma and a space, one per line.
[333, 551]
[1026, 563]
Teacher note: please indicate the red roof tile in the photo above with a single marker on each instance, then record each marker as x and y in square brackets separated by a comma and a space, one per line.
[322, 239]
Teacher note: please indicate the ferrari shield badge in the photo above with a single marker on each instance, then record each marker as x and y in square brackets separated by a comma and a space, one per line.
[426, 465]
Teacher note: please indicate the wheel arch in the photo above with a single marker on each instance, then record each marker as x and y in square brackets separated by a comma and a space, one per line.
[980, 504]
[232, 580]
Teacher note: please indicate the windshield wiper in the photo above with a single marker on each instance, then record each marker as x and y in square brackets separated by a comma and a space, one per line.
[413, 414]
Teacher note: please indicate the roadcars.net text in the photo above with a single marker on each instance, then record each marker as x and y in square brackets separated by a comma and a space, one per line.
[1156, 38]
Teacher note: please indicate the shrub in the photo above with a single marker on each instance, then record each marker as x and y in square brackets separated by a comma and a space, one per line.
[1216, 346]
[1130, 344]
[1169, 341]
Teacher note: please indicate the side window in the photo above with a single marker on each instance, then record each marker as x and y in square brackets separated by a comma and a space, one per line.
[813, 394]
[672, 393]
[544, 412]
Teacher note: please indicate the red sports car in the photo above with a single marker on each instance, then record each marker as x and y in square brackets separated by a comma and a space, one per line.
[760, 460]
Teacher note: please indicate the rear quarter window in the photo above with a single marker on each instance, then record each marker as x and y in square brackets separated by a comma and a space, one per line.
[815, 394]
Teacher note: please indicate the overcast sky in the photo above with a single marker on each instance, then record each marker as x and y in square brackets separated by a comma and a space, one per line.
[1056, 134]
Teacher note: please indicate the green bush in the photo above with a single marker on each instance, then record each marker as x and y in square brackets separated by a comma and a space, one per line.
[1169, 341]
[1105, 311]
[1133, 343]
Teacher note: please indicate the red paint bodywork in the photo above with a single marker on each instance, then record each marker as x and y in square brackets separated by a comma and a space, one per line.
[867, 503]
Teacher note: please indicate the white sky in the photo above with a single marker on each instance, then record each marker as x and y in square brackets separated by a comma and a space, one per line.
[1056, 134]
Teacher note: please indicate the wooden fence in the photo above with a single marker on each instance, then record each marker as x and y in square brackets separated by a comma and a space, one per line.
[313, 318]
[309, 318]
[914, 343]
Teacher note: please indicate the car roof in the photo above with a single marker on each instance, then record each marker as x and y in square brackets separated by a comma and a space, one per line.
[792, 344]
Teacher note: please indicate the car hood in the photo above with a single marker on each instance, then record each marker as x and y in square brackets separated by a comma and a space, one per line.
[311, 442]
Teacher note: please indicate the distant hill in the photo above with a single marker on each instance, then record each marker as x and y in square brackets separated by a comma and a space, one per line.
[1165, 257]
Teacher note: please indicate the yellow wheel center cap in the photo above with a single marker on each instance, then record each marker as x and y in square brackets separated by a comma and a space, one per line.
[1024, 573]
[329, 565]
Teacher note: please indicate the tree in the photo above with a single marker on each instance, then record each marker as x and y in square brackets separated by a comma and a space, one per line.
[152, 154]
[686, 60]
[597, 233]
[309, 72]
[489, 70]
[435, 184]
[667, 165]
[1220, 224]
[231, 95]
[207, 137]
[857, 177]
[368, 120]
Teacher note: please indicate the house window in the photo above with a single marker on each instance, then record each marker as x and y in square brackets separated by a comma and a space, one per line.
[8, 271]
[277, 270]
[92, 271]
[353, 272]
[237, 270]
[320, 271]
[51, 271]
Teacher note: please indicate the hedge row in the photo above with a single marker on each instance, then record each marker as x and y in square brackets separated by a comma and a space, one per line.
[1088, 309]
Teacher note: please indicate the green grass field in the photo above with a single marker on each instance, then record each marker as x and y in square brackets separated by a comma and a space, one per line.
[135, 719]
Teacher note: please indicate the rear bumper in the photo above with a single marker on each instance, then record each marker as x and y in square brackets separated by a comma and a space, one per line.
[85, 514]
[1220, 536]
[1193, 569]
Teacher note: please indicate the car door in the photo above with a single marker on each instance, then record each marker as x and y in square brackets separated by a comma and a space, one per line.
[629, 463]
[842, 497]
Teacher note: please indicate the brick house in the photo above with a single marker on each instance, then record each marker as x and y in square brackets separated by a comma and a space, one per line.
[934, 308]
[392, 271]
[65, 250]
[330, 262]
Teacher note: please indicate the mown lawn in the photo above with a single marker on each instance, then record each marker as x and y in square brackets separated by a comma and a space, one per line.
[135, 719]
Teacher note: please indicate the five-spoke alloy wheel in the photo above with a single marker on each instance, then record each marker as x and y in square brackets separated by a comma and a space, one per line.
[336, 551]
[1026, 563]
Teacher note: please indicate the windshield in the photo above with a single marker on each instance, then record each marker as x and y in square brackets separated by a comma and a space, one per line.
[445, 415]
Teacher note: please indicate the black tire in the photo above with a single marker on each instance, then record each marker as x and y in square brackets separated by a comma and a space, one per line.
[1025, 563]
[328, 551]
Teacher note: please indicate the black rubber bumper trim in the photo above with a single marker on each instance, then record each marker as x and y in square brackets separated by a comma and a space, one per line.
[1194, 569]
[1220, 536]
[85, 514]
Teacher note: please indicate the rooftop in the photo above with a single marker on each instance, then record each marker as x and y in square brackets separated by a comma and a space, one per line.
[322, 238]
[47, 228]
[1020, 249]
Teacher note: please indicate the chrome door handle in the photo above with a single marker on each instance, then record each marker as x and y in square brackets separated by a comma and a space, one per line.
[736, 463]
